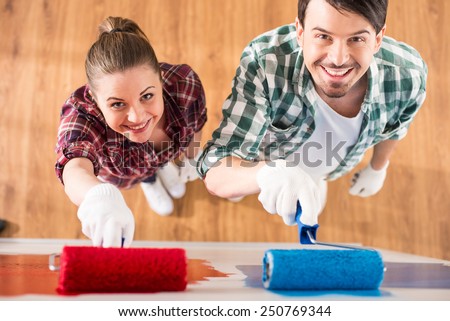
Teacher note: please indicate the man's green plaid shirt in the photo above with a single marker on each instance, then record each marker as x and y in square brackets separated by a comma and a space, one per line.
[270, 111]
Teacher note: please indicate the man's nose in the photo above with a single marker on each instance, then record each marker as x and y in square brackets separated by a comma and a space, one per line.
[338, 53]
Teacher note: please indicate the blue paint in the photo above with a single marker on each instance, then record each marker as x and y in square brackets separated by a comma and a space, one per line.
[253, 280]
[416, 275]
[397, 275]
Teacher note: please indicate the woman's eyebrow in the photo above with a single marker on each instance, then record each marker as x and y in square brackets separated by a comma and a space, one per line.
[146, 89]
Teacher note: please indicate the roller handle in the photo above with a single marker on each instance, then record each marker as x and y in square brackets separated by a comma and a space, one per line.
[303, 229]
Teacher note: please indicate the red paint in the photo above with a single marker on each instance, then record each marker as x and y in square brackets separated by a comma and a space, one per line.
[29, 274]
[200, 270]
[26, 274]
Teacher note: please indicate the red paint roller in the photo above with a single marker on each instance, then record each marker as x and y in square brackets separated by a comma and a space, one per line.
[85, 269]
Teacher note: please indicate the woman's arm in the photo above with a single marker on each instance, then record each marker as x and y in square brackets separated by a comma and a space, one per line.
[79, 178]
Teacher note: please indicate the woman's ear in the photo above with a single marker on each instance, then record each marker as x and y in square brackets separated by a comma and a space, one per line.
[92, 96]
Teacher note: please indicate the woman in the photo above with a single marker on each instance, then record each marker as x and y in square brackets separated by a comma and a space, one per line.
[130, 121]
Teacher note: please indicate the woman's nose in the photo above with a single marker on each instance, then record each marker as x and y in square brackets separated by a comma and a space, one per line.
[136, 114]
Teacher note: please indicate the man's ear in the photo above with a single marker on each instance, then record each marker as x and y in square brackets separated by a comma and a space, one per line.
[379, 38]
[299, 28]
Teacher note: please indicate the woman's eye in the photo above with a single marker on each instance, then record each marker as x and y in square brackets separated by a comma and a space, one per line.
[147, 96]
[117, 105]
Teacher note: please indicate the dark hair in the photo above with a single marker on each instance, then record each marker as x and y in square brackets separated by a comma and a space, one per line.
[374, 11]
[121, 44]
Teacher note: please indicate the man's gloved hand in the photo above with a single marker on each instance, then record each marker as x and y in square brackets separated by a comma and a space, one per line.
[188, 168]
[282, 186]
[105, 217]
[368, 181]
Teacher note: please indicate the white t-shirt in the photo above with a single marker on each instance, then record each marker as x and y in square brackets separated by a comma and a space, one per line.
[330, 141]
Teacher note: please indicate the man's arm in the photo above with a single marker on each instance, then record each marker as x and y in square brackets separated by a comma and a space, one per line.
[233, 177]
[382, 152]
[280, 187]
[370, 180]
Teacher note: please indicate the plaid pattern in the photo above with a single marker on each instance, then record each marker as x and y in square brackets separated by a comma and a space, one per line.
[83, 131]
[270, 111]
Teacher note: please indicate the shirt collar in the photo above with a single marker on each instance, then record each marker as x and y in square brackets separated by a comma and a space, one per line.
[90, 105]
[373, 83]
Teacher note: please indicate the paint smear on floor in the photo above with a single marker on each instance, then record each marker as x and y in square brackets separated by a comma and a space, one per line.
[417, 275]
[201, 270]
[26, 274]
[397, 275]
[30, 274]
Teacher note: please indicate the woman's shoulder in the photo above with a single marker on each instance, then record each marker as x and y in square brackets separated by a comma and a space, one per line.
[80, 98]
[182, 86]
[81, 105]
[177, 73]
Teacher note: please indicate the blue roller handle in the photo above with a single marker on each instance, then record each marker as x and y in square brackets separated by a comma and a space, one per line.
[302, 228]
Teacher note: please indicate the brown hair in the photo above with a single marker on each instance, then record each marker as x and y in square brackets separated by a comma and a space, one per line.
[374, 11]
[121, 44]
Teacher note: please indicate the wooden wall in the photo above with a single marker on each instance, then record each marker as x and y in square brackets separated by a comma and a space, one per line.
[42, 48]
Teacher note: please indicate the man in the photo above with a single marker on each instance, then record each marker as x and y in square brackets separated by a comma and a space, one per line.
[308, 101]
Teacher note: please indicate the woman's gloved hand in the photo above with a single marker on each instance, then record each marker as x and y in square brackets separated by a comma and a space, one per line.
[105, 217]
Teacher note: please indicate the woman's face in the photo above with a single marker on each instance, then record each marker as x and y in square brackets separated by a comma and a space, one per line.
[131, 101]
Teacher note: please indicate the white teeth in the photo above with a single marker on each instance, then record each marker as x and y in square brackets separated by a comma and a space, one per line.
[339, 72]
[138, 127]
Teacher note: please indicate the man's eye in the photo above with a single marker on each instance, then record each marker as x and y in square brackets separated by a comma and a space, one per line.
[357, 39]
[322, 36]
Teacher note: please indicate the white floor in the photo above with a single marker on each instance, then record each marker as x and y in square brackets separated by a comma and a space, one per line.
[242, 264]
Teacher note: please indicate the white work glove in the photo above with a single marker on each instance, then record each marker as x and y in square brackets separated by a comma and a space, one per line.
[282, 186]
[188, 168]
[105, 217]
[368, 181]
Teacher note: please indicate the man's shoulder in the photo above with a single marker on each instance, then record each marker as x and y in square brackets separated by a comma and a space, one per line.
[399, 54]
[279, 41]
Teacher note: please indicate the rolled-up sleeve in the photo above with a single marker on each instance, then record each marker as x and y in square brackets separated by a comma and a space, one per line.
[245, 115]
[78, 136]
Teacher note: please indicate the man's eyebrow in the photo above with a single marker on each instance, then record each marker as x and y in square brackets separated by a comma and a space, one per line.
[330, 33]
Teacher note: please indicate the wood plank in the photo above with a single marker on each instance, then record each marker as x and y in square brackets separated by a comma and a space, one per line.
[43, 46]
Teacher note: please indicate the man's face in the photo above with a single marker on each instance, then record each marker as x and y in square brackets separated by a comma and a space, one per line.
[338, 47]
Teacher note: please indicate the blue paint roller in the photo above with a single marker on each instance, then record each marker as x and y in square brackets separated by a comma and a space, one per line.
[337, 267]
